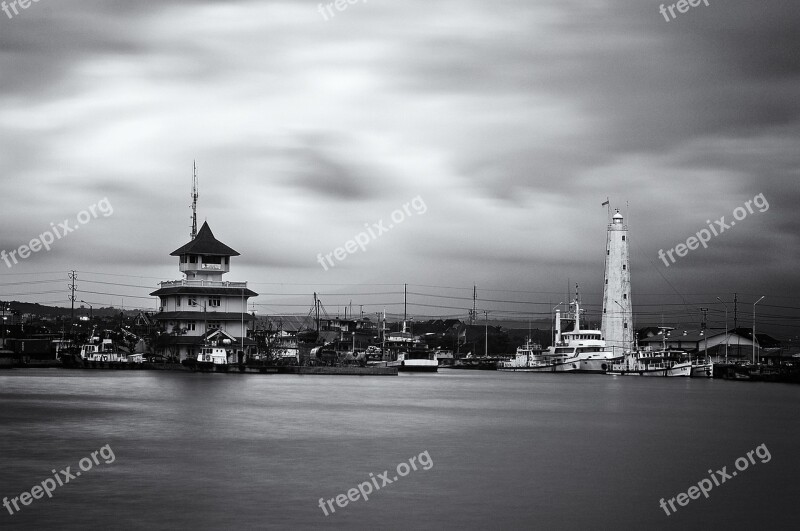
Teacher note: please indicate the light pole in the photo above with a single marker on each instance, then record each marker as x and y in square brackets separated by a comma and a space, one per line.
[726, 329]
[91, 310]
[754, 327]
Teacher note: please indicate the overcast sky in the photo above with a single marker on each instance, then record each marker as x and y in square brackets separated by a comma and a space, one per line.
[512, 120]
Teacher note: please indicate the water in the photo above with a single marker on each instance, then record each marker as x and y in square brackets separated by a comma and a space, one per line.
[509, 451]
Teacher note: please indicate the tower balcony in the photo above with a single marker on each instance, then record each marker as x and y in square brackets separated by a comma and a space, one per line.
[203, 284]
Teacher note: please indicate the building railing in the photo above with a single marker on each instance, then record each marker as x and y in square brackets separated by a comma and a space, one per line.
[203, 284]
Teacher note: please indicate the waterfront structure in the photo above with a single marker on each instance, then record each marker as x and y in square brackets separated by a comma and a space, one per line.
[617, 321]
[203, 310]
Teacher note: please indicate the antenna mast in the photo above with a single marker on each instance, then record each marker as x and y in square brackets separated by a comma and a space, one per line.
[194, 199]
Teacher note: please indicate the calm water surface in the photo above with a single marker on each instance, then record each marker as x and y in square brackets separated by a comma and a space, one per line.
[509, 451]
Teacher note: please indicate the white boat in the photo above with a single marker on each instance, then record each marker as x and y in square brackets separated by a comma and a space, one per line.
[702, 369]
[579, 350]
[654, 363]
[409, 354]
[104, 352]
[213, 356]
[648, 362]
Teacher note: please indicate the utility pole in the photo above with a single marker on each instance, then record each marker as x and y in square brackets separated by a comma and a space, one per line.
[405, 305]
[486, 332]
[474, 313]
[73, 277]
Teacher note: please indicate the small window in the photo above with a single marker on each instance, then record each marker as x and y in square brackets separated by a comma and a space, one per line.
[178, 301]
[192, 301]
[625, 325]
[624, 295]
[192, 259]
[608, 252]
[214, 325]
[623, 238]
[214, 302]
[191, 326]
[624, 267]
[606, 281]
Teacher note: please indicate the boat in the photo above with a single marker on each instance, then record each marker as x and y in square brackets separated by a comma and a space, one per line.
[579, 350]
[649, 362]
[105, 351]
[654, 363]
[409, 354]
[702, 368]
[211, 358]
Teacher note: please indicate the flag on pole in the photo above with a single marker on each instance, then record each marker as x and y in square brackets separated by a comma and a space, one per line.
[604, 204]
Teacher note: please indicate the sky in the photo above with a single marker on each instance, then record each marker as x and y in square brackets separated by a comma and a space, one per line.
[510, 121]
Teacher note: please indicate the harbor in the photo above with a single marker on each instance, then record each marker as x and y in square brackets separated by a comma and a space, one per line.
[202, 325]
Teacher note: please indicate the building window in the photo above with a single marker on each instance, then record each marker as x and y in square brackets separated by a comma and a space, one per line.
[214, 325]
[191, 326]
[623, 238]
[178, 301]
[214, 302]
[624, 267]
[604, 310]
[192, 301]
[624, 295]
[608, 252]
[192, 259]
[625, 325]
[606, 281]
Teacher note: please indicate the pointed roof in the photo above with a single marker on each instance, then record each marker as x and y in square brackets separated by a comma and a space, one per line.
[205, 243]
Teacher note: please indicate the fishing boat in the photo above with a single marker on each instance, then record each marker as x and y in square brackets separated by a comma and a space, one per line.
[649, 362]
[104, 351]
[409, 354]
[702, 368]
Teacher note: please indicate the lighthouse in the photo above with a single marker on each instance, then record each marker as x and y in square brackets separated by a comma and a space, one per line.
[617, 322]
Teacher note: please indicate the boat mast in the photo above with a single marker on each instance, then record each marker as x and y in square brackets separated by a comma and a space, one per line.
[195, 195]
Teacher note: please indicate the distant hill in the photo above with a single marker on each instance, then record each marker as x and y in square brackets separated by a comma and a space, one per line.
[57, 311]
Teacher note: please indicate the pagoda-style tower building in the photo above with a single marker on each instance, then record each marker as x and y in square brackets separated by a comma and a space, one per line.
[202, 309]
[617, 323]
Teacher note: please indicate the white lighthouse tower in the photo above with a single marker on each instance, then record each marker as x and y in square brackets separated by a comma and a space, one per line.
[617, 323]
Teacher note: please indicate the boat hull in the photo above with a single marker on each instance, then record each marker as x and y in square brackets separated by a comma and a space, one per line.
[683, 369]
[415, 365]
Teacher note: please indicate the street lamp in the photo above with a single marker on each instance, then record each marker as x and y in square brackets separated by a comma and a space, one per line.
[91, 310]
[726, 329]
[754, 327]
